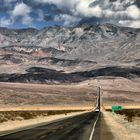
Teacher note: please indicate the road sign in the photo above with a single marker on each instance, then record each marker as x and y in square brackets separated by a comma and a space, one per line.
[117, 108]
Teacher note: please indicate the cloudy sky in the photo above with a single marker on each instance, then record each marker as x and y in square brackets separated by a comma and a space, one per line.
[42, 13]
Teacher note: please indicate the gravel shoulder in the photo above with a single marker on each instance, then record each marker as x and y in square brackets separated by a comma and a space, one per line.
[122, 129]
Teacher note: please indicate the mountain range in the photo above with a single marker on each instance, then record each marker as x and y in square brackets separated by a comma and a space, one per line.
[69, 54]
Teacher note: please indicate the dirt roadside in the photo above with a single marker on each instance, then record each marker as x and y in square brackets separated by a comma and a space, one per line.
[121, 129]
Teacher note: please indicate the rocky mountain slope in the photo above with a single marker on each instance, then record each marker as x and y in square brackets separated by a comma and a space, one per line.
[80, 51]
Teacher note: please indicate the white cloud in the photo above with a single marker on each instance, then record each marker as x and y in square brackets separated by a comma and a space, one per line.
[27, 20]
[116, 10]
[21, 9]
[97, 8]
[75, 10]
[84, 9]
[50, 1]
[81, 7]
[130, 23]
[133, 11]
[40, 15]
[67, 19]
[21, 12]
[4, 22]
[135, 24]
[108, 13]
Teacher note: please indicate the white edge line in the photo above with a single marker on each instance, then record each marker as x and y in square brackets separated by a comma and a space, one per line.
[93, 129]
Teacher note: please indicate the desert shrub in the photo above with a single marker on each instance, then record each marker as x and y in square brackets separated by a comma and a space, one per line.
[27, 115]
[18, 115]
[138, 114]
[129, 114]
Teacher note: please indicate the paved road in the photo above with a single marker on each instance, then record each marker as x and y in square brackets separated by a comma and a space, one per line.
[75, 128]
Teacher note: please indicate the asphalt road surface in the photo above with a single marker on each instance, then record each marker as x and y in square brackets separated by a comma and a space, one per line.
[75, 128]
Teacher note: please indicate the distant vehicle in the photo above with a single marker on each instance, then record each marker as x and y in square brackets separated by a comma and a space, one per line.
[97, 110]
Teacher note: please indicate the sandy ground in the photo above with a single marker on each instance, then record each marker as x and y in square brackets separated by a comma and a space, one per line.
[46, 108]
[120, 128]
[78, 96]
[46, 97]
[14, 126]
[117, 91]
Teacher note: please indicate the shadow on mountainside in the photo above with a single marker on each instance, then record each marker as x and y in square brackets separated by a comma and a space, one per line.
[44, 75]
[111, 71]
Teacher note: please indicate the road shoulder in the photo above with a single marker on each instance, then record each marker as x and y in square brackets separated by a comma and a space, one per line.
[118, 129]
